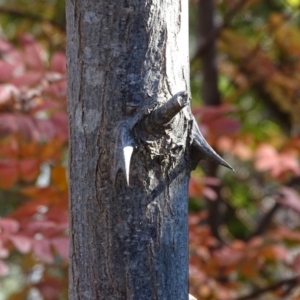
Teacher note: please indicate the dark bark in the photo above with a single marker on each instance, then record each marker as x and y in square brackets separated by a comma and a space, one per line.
[207, 28]
[211, 96]
[214, 31]
[128, 93]
[127, 242]
[265, 222]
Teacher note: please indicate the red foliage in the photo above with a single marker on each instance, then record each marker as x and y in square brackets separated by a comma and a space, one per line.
[279, 165]
[33, 133]
[223, 269]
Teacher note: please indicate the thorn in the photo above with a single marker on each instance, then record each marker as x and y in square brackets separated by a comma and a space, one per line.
[127, 153]
[199, 142]
[123, 152]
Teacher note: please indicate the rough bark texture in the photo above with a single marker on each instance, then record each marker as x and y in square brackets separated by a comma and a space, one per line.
[125, 59]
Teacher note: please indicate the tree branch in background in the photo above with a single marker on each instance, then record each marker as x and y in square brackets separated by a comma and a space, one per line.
[214, 32]
[264, 223]
[211, 96]
[28, 15]
[289, 283]
[258, 85]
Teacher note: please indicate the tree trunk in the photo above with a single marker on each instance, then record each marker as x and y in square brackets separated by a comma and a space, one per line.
[128, 84]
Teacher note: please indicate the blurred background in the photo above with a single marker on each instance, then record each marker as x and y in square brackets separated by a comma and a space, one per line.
[245, 82]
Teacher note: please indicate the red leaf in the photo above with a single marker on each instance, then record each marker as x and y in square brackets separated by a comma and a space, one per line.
[212, 181]
[5, 46]
[39, 226]
[30, 78]
[27, 210]
[18, 123]
[288, 163]
[242, 151]
[209, 113]
[209, 193]
[52, 232]
[27, 128]
[3, 251]
[3, 268]
[46, 128]
[9, 148]
[32, 52]
[213, 117]
[9, 174]
[57, 89]
[223, 125]
[45, 105]
[276, 252]
[60, 121]
[58, 62]
[296, 263]
[7, 70]
[50, 288]
[16, 58]
[42, 249]
[289, 198]
[266, 157]
[228, 256]
[287, 234]
[9, 225]
[8, 92]
[22, 243]
[56, 214]
[29, 169]
[61, 244]
[8, 124]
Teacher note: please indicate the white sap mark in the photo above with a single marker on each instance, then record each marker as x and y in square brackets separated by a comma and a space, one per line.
[127, 152]
[91, 17]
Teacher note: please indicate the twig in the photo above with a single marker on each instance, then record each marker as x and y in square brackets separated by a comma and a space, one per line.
[211, 96]
[289, 282]
[265, 221]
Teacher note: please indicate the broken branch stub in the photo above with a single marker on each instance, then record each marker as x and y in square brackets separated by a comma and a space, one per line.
[163, 115]
[153, 126]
